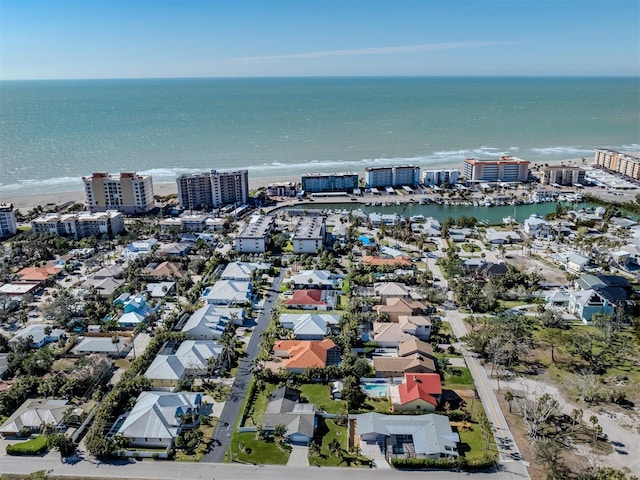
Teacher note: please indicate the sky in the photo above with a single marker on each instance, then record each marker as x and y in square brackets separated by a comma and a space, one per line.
[77, 39]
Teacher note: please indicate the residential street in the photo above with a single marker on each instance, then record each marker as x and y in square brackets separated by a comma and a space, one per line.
[509, 454]
[232, 406]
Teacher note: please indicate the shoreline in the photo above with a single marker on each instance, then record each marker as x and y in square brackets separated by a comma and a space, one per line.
[27, 202]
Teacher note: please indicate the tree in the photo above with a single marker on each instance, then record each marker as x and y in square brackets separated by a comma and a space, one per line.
[335, 448]
[508, 396]
[536, 411]
[548, 452]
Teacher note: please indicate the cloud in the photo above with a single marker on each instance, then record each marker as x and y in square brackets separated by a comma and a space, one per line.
[431, 47]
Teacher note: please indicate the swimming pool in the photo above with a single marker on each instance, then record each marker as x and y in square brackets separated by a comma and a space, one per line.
[376, 389]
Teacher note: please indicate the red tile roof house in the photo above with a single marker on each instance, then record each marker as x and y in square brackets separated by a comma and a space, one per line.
[310, 300]
[298, 355]
[420, 392]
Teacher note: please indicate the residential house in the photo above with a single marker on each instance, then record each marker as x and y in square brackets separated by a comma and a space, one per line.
[190, 359]
[38, 275]
[312, 299]
[408, 436]
[106, 287]
[210, 321]
[420, 392]
[228, 292]
[571, 261]
[284, 408]
[157, 418]
[586, 303]
[536, 226]
[299, 355]
[400, 261]
[38, 335]
[131, 320]
[309, 326]
[322, 279]
[386, 367]
[138, 304]
[415, 346]
[391, 335]
[242, 271]
[491, 270]
[139, 248]
[161, 289]
[35, 413]
[385, 290]
[162, 271]
[174, 249]
[496, 237]
[395, 307]
[88, 345]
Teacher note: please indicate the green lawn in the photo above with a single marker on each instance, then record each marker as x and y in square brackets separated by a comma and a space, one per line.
[247, 448]
[260, 405]
[327, 430]
[457, 377]
[473, 443]
[202, 449]
[34, 446]
[470, 247]
[378, 405]
[507, 304]
[319, 394]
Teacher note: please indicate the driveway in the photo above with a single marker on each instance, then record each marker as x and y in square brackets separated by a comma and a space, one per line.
[299, 456]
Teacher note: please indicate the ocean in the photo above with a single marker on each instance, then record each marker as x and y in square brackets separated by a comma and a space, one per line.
[54, 132]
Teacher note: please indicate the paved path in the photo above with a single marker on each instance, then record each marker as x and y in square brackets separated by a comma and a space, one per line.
[299, 456]
[509, 455]
[163, 470]
[231, 410]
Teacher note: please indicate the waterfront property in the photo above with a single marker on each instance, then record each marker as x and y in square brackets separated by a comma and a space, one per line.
[127, 192]
[622, 163]
[78, 225]
[505, 169]
[562, 175]
[255, 236]
[329, 182]
[393, 176]
[309, 235]
[440, 177]
[8, 224]
[213, 189]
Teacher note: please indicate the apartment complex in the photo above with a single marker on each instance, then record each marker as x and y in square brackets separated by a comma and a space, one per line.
[127, 192]
[255, 236]
[329, 182]
[561, 175]
[281, 189]
[440, 177]
[505, 169]
[8, 224]
[617, 162]
[404, 175]
[213, 189]
[309, 235]
[78, 225]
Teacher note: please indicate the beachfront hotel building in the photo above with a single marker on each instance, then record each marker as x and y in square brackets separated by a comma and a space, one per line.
[282, 189]
[79, 225]
[399, 176]
[255, 236]
[329, 182]
[440, 177]
[213, 189]
[127, 192]
[617, 162]
[561, 175]
[8, 225]
[505, 169]
[309, 235]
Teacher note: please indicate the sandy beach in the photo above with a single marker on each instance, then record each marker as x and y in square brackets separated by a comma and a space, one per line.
[27, 202]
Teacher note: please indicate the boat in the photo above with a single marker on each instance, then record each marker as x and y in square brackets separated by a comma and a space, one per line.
[509, 220]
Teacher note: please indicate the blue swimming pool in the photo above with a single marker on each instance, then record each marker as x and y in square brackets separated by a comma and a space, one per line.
[376, 389]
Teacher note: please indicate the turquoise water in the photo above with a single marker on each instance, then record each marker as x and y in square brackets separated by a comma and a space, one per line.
[53, 132]
[376, 389]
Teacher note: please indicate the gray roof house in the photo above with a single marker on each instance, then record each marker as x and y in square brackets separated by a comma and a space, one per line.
[166, 371]
[409, 436]
[209, 322]
[37, 336]
[242, 271]
[33, 414]
[309, 326]
[227, 292]
[158, 418]
[299, 418]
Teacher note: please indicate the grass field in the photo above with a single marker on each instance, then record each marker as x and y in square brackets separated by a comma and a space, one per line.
[327, 431]
[458, 377]
[473, 443]
[319, 394]
[247, 447]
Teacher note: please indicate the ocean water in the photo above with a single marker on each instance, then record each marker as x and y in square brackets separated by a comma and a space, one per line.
[54, 132]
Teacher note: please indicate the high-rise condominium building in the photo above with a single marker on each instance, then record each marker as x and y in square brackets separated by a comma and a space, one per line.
[126, 192]
[617, 162]
[8, 224]
[213, 189]
[505, 169]
[398, 176]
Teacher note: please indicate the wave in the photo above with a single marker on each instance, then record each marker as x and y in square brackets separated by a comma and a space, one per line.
[555, 151]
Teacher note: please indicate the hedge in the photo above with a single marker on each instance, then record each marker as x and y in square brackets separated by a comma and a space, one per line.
[441, 463]
[35, 446]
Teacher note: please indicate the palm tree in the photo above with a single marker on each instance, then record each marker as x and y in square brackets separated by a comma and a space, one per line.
[508, 396]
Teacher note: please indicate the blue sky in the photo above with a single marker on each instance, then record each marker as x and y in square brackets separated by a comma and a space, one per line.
[197, 38]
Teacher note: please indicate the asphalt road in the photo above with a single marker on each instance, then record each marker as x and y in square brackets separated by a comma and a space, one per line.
[509, 455]
[162, 470]
[231, 410]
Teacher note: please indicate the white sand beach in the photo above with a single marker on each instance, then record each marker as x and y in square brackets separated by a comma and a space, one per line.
[27, 202]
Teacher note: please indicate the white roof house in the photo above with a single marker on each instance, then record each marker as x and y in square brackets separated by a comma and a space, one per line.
[426, 436]
[161, 289]
[209, 322]
[227, 292]
[309, 326]
[157, 417]
[192, 355]
[104, 345]
[315, 279]
[130, 320]
[33, 414]
[242, 271]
